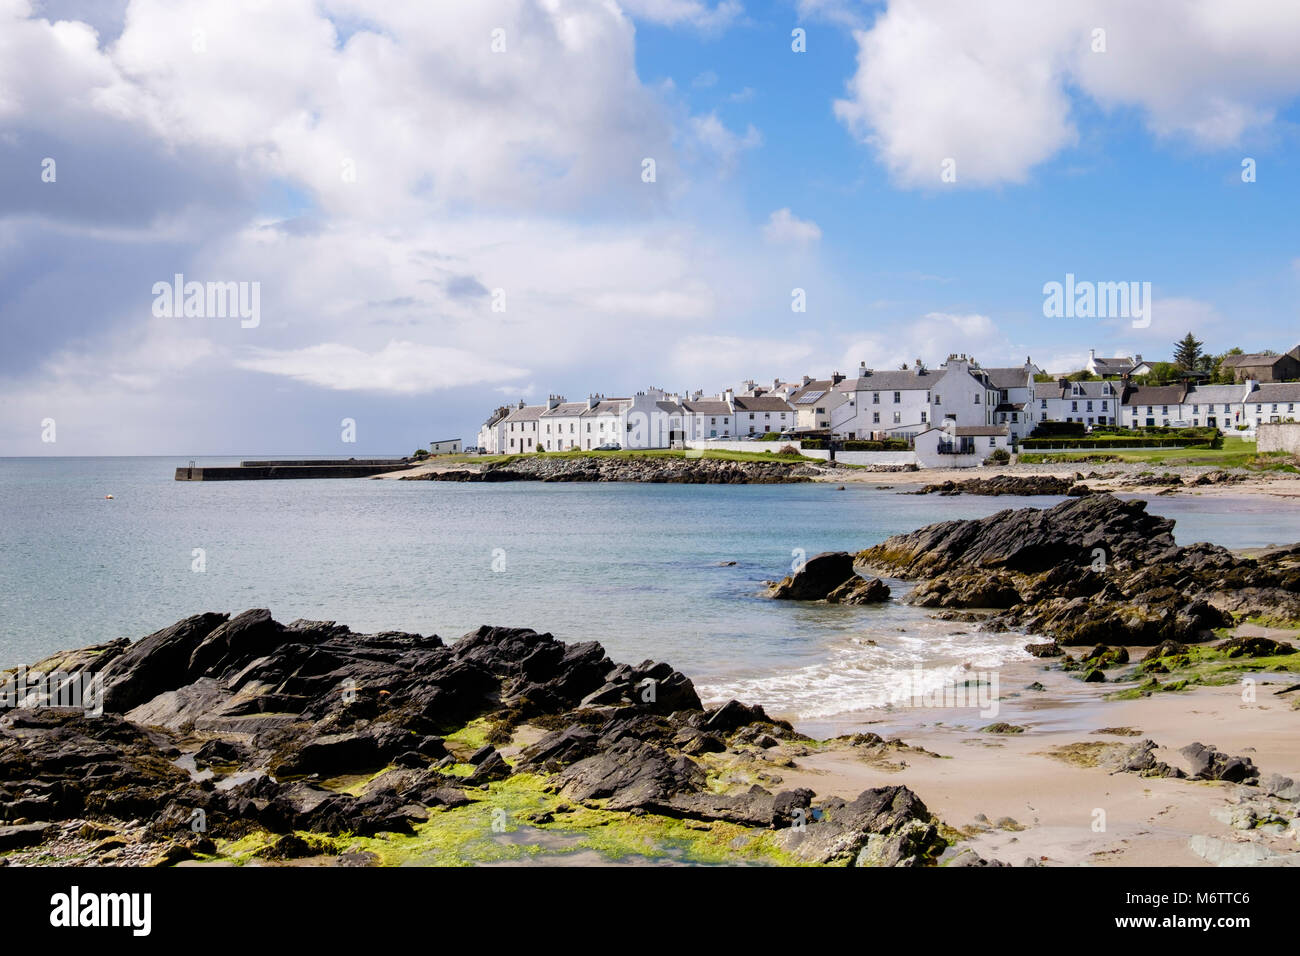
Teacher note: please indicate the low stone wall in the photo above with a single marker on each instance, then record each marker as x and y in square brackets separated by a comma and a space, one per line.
[1278, 436]
[864, 457]
[755, 446]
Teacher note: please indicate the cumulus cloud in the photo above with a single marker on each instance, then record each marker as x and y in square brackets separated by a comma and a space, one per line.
[988, 86]
[784, 226]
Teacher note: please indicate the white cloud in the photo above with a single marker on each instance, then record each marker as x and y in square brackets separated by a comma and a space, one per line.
[402, 368]
[784, 227]
[713, 360]
[931, 338]
[710, 133]
[690, 12]
[989, 85]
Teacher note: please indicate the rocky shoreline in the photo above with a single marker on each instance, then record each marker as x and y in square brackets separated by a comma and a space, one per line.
[1091, 570]
[650, 469]
[308, 740]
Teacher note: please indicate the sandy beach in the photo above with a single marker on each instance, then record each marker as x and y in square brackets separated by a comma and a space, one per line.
[1017, 797]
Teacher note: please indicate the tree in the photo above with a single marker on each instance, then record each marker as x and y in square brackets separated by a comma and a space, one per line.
[1187, 353]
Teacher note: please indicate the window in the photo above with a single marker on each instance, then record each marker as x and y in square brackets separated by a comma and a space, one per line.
[1090, 406]
[938, 399]
[977, 398]
[898, 397]
[1074, 406]
[875, 418]
[993, 441]
[875, 398]
[923, 418]
[1043, 404]
[897, 418]
[570, 428]
[1105, 406]
[588, 428]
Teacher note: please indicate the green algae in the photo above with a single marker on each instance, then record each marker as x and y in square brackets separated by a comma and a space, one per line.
[520, 819]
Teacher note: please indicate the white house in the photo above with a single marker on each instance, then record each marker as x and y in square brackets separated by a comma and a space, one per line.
[816, 400]
[760, 414]
[1158, 405]
[559, 427]
[603, 422]
[708, 417]
[1092, 403]
[1115, 367]
[445, 446]
[1015, 388]
[521, 428]
[1272, 402]
[652, 419]
[959, 446]
[492, 434]
[1219, 406]
[895, 402]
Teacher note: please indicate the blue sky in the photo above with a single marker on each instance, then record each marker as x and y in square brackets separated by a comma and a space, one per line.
[216, 139]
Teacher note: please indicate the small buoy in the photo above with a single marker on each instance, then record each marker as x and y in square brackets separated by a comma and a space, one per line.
[108, 497]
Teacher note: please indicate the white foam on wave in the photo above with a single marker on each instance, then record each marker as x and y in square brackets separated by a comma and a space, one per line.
[857, 675]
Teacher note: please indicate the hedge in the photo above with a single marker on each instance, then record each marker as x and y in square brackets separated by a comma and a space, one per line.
[893, 444]
[1108, 441]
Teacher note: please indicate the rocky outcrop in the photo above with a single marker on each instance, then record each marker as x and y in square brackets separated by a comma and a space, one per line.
[1007, 485]
[655, 469]
[1090, 570]
[246, 724]
[829, 576]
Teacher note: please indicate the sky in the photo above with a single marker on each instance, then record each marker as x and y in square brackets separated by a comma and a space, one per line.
[442, 207]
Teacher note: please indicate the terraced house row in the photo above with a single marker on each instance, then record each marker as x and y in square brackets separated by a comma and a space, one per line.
[960, 398]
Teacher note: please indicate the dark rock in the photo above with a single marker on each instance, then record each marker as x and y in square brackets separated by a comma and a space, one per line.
[1050, 649]
[1254, 647]
[23, 835]
[821, 575]
[1209, 764]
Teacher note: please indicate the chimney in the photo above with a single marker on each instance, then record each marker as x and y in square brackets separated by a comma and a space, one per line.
[806, 379]
[836, 378]
[1063, 382]
[553, 400]
[729, 397]
[592, 401]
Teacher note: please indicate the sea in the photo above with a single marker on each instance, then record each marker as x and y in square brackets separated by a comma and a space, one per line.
[663, 572]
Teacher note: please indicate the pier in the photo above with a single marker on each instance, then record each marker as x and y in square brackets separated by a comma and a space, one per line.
[298, 468]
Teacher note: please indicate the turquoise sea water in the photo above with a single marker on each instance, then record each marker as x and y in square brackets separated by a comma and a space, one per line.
[638, 567]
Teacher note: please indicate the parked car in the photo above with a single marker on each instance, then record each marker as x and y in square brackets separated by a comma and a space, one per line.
[609, 446]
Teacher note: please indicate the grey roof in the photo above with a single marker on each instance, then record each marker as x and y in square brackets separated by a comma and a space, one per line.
[762, 403]
[1271, 392]
[671, 407]
[608, 406]
[565, 409]
[529, 413]
[1119, 363]
[1216, 394]
[707, 406]
[1250, 358]
[974, 430]
[1086, 390]
[896, 380]
[1007, 377]
[1155, 395]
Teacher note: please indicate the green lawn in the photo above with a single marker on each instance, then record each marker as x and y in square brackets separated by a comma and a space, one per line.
[718, 454]
[1235, 453]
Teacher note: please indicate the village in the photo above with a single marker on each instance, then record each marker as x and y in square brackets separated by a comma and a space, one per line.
[959, 414]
